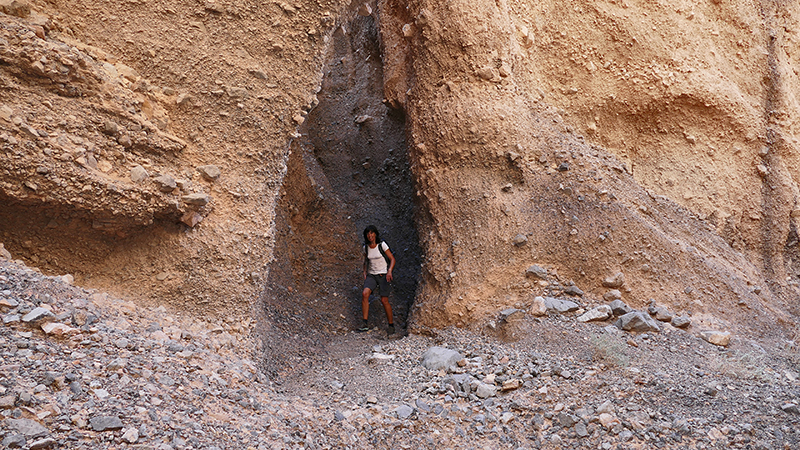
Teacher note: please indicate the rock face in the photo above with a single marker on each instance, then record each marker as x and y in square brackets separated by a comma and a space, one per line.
[629, 162]
[568, 185]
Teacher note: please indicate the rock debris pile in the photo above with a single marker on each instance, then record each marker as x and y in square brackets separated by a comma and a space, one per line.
[80, 369]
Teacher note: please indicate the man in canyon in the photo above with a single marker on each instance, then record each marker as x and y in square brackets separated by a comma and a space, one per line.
[378, 265]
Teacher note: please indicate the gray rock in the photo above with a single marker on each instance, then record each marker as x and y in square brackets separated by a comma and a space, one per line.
[422, 406]
[437, 358]
[37, 314]
[790, 408]
[535, 271]
[559, 306]
[637, 321]
[566, 420]
[511, 315]
[43, 443]
[574, 291]
[619, 308]
[11, 318]
[661, 313]
[14, 441]
[680, 321]
[612, 295]
[485, 390]
[539, 306]
[139, 174]
[197, 199]
[404, 412]
[602, 312]
[580, 430]
[520, 240]
[131, 435]
[338, 416]
[615, 281]
[105, 423]
[28, 428]
[209, 172]
[166, 183]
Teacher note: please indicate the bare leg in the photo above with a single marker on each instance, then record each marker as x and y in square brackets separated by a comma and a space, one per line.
[365, 302]
[388, 308]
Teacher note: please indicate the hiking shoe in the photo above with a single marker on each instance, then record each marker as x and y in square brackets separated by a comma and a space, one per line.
[362, 329]
[390, 330]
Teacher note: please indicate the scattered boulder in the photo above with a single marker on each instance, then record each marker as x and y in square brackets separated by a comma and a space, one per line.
[555, 305]
[615, 281]
[680, 321]
[539, 306]
[139, 174]
[166, 183]
[611, 295]
[721, 338]
[619, 308]
[519, 240]
[602, 312]
[28, 428]
[38, 314]
[536, 271]
[637, 321]
[485, 390]
[209, 172]
[661, 313]
[574, 291]
[105, 423]
[196, 199]
[440, 358]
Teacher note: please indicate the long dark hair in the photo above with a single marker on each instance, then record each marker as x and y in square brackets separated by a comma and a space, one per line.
[374, 229]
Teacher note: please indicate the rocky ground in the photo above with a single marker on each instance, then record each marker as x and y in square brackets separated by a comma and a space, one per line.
[81, 369]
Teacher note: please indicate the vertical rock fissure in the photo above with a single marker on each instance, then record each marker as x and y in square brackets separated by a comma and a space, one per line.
[348, 169]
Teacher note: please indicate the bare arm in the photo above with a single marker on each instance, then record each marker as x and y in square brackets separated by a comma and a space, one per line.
[391, 265]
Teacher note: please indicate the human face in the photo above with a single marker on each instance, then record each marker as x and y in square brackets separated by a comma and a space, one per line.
[371, 237]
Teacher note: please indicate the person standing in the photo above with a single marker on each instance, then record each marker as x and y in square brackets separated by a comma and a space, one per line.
[378, 265]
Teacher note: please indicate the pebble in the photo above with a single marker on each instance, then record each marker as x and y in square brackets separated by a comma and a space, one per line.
[720, 338]
[138, 174]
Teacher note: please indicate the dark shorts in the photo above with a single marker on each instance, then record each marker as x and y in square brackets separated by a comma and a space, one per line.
[374, 281]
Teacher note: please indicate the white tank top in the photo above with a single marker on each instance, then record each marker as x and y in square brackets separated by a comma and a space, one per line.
[377, 265]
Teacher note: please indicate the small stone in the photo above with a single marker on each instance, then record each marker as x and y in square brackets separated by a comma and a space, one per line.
[662, 314]
[131, 435]
[105, 423]
[519, 240]
[372, 399]
[139, 174]
[637, 321]
[8, 401]
[602, 312]
[485, 390]
[43, 443]
[364, 10]
[14, 441]
[680, 321]
[536, 271]
[619, 308]
[197, 199]
[59, 329]
[440, 358]
[404, 412]
[555, 305]
[539, 306]
[209, 172]
[615, 281]
[37, 314]
[191, 218]
[574, 291]
[719, 338]
[166, 183]
[791, 408]
[28, 428]
[512, 384]
[611, 295]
